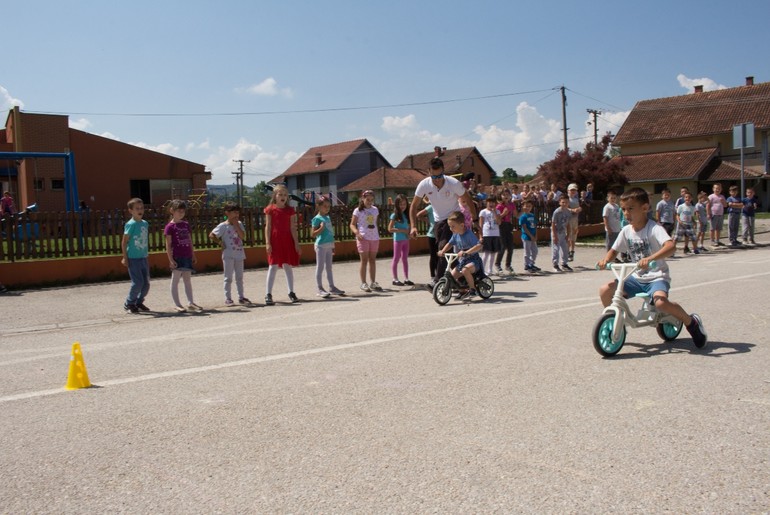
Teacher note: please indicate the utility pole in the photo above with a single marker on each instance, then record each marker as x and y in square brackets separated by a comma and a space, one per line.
[239, 180]
[596, 126]
[564, 117]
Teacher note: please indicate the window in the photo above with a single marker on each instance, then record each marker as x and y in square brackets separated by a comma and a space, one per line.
[301, 183]
[323, 179]
[40, 184]
[57, 184]
[659, 187]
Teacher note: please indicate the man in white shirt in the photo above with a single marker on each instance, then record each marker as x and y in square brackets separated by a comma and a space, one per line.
[444, 193]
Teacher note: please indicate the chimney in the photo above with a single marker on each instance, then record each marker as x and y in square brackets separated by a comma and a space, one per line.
[749, 81]
[411, 161]
[459, 159]
[318, 159]
[699, 88]
[437, 151]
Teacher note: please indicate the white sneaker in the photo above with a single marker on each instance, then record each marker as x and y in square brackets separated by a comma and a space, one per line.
[365, 287]
[323, 294]
[375, 286]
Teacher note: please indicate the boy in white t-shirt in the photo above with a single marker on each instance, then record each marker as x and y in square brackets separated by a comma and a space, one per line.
[647, 241]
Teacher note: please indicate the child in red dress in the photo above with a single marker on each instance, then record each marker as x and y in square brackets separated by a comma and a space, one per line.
[281, 241]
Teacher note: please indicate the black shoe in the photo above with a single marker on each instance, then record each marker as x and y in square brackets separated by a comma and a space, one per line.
[293, 297]
[269, 300]
[697, 331]
[572, 255]
[396, 282]
[566, 267]
[469, 295]
[142, 307]
[408, 283]
[131, 308]
[3, 289]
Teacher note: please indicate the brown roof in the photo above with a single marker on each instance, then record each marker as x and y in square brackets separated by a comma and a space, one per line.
[332, 157]
[719, 170]
[449, 157]
[668, 166]
[697, 114]
[386, 177]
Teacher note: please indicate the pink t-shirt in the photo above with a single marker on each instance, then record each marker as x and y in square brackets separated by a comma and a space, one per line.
[511, 210]
[717, 208]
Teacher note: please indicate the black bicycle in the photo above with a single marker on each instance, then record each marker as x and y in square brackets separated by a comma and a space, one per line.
[447, 285]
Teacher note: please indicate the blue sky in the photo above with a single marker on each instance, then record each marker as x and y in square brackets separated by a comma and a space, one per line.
[214, 65]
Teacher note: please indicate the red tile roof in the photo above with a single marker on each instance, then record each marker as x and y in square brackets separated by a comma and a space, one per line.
[386, 177]
[332, 157]
[697, 114]
[668, 166]
[719, 170]
[452, 159]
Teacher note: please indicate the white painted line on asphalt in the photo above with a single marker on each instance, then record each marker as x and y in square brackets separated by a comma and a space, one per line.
[295, 354]
[334, 348]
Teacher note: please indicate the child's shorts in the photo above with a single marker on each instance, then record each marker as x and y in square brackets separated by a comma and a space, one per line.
[473, 259]
[632, 286]
[184, 264]
[685, 230]
[491, 244]
[703, 227]
[365, 246]
[717, 221]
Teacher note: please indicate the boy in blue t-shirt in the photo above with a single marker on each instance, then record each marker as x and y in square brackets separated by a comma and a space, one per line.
[528, 226]
[734, 210]
[467, 247]
[750, 205]
[135, 247]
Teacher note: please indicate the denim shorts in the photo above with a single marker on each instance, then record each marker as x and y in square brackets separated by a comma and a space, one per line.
[632, 286]
[183, 264]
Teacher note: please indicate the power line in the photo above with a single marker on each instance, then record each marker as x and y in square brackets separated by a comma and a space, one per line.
[298, 111]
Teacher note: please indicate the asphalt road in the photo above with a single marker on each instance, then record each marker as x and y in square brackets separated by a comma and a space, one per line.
[389, 403]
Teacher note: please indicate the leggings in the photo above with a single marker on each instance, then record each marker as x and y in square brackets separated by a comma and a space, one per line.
[186, 278]
[233, 266]
[400, 253]
[506, 240]
[271, 271]
[323, 261]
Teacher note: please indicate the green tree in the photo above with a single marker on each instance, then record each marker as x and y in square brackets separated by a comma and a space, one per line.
[510, 175]
[591, 165]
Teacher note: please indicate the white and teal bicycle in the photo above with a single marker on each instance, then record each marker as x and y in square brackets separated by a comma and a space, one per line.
[609, 332]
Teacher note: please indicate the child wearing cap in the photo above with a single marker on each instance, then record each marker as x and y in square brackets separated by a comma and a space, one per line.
[572, 226]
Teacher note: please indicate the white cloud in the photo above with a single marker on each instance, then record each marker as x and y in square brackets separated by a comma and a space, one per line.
[263, 165]
[203, 145]
[268, 87]
[163, 148]
[689, 84]
[8, 100]
[523, 148]
[80, 124]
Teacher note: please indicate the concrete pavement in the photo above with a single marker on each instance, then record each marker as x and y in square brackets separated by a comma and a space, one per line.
[388, 402]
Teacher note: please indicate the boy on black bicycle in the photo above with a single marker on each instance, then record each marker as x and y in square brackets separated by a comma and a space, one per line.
[467, 247]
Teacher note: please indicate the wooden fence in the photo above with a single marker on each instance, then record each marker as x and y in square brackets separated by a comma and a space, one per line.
[53, 235]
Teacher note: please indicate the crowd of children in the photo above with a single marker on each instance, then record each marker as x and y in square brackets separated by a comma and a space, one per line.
[480, 247]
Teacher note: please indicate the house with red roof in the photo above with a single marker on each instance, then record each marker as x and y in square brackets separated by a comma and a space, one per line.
[327, 169]
[387, 182]
[687, 140]
[458, 162]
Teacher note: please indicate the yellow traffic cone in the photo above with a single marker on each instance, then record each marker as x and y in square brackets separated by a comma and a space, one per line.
[78, 375]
